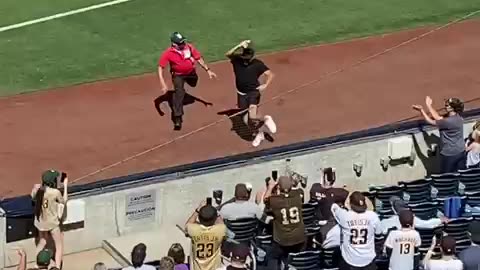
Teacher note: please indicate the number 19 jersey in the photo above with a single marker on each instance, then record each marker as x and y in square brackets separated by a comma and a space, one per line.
[288, 226]
[403, 243]
[358, 231]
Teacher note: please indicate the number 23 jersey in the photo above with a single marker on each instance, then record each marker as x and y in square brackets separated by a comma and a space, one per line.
[206, 244]
[357, 235]
[288, 226]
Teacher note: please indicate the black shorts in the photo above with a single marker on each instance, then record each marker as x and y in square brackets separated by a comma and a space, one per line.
[244, 100]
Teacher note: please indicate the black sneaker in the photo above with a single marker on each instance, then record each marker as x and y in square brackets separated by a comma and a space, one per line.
[177, 125]
[269, 137]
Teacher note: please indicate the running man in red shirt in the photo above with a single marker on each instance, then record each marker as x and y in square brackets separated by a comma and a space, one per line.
[181, 57]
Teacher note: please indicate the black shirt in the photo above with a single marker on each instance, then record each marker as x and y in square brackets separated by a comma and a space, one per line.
[247, 73]
[288, 226]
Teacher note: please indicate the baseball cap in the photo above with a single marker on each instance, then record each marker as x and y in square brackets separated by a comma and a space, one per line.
[44, 257]
[474, 230]
[241, 191]
[398, 204]
[358, 202]
[177, 38]
[240, 252]
[50, 177]
[448, 245]
[285, 183]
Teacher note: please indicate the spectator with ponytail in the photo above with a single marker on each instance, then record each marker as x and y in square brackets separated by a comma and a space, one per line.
[48, 211]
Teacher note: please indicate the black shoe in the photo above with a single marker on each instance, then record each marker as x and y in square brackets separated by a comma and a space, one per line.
[177, 123]
[177, 126]
[268, 137]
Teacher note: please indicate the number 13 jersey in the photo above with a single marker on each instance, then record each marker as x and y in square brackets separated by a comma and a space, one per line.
[403, 243]
[357, 242]
[288, 226]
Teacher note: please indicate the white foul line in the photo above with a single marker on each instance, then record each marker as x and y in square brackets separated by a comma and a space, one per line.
[60, 15]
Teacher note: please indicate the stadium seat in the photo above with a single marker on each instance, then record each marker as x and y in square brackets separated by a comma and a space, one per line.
[470, 179]
[245, 229]
[445, 184]
[306, 260]
[469, 171]
[458, 229]
[382, 194]
[472, 203]
[417, 191]
[330, 258]
[424, 210]
[310, 233]
[308, 212]
[263, 241]
[426, 235]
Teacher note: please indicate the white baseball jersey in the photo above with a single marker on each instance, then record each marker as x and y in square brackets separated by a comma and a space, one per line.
[357, 235]
[403, 243]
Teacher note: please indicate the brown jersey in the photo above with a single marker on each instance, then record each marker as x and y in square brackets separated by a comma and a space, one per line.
[206, 244]
[49, 219]
[288, 226]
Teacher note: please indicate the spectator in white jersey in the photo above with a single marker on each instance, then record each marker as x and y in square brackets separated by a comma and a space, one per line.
[448, 260]
[402, 245]
[393, 222]
[358, 227]
[240, 207]
[470, 257]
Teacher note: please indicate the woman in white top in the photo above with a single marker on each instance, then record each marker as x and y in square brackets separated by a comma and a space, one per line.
[473, 150]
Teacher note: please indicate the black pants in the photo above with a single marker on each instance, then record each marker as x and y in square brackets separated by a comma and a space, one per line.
[179, 93]
[345, 266]
[449, 164]
[280, 253]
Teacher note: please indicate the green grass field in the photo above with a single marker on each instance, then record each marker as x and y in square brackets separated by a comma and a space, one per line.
[127, 39]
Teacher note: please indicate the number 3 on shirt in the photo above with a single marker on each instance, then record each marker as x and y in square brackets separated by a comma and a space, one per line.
[358, 237]
[204, 250]
[291, 216]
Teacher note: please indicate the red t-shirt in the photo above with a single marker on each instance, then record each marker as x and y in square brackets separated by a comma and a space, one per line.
[181, 62]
